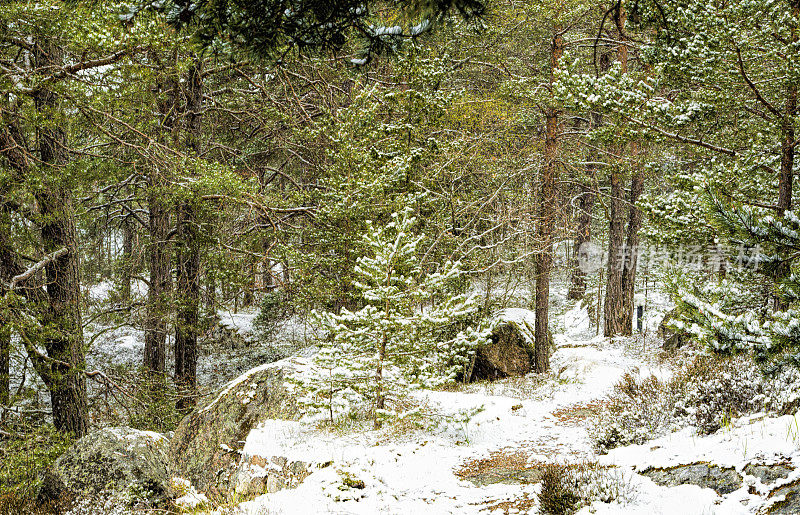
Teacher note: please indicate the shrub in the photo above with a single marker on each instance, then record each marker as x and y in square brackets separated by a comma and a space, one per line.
[568, 487]
[637, 410]
[25, 456]
[559, 493]
[705, 393]
[275, 309]
[715, 389]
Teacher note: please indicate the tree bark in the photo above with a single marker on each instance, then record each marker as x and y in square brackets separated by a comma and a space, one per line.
[188, 286]
[613, 308]
[158, 302]
[62, 319]
[786, 173]
[188, 256]
[583, 235]
[546, 218]
[631, 252]
[127, 261]
[8, 268]
[155, 332]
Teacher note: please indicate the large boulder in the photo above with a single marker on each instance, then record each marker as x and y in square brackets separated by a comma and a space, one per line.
[673, 339]
[112, 460]
[207, 445]
[510, 349]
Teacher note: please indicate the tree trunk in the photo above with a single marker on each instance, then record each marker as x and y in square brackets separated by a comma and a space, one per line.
[127, 261]
[613, 308]
[546, 218]
[158, 302]
[155, 331]
[211, 289]
[9, 267]
[632, 248]
[786, 174]
[188, 256]
[5, 363]
[583, 235]
[62, 318]
[188, 287]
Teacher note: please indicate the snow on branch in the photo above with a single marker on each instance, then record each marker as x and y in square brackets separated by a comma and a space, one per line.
[36, 267]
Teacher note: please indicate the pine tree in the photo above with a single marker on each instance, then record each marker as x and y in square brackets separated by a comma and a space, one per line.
[405, 336]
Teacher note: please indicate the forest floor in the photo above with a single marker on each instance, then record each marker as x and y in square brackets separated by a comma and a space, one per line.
[480, 448]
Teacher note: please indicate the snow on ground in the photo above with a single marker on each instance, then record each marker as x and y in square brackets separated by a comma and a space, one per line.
[242, 322]
[413, 472]
[114, 345]
[756, 438]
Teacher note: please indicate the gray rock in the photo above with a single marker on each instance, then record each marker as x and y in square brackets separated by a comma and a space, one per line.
[723, 480]
[790, 505]
[206, 447]
[768, 474]
[257, 475]
[115, 460]
[275, 483]
[507, 476]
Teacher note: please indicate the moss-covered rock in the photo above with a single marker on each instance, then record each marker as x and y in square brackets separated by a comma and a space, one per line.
[206, 447]
[510, 349]
[118, 460]
[789, 499]
[722, 480]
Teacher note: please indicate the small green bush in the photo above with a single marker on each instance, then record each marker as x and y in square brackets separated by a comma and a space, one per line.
[566, 488]
[559, 494]
[275, 309]
[25, 456]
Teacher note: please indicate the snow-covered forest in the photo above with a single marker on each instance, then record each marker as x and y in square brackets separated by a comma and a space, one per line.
[413, 256]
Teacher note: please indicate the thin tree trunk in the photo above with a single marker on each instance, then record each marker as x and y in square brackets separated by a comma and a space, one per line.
[158, 302]
[211, 289]
[546, 218]
[8, 260]
[786, 174]
[583, 235]
[155, 332]
[5, 363]
[614, 306]
[631, 248]
[127, 261]
[188, 256]
[187, 324]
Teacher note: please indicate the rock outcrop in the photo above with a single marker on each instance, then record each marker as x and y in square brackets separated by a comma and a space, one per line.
[722, 480]
[673, 339]
[116, 460]
[207, 444]
[787, 499]
[510, 351]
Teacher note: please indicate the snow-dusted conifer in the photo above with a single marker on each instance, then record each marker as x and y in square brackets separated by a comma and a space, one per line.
[405, 336]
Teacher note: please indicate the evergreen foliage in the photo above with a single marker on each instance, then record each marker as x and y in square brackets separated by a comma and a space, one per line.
[371, 358]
